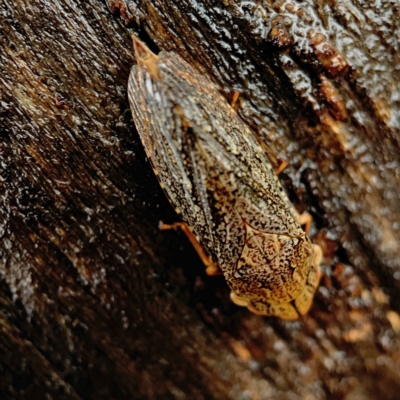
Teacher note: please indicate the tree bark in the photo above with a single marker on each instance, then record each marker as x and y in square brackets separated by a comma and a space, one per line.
[96, 302]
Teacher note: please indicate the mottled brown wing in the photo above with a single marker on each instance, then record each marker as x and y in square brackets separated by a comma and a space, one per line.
[169, 149]
[209, 164]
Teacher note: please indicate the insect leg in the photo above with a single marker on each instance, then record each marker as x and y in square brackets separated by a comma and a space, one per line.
[235, 98]
[211, 268]
[306, 220]
[283, 164]
[239, 301]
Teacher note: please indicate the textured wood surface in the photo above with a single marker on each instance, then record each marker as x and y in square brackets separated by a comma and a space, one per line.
[96, 302]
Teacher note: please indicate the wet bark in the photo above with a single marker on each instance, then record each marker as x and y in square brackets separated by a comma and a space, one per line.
[96, 302]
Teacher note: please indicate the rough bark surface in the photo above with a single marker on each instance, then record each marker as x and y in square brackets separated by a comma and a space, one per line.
[96, 302]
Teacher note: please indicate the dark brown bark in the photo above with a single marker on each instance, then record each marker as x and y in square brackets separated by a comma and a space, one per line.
[96, 302]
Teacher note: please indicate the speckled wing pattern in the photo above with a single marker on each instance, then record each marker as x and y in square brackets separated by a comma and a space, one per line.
[219, 180]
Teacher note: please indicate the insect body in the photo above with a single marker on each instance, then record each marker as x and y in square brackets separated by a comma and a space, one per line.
[219, 180]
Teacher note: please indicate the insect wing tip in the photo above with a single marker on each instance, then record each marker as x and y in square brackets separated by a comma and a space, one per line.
[142, 52]
[145, 56]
